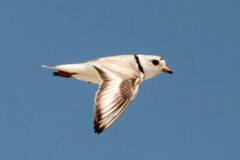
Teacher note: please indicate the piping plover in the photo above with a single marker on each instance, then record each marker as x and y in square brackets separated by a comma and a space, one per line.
[119, 78]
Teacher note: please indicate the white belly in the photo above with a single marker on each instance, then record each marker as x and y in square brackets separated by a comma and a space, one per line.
[87, 73]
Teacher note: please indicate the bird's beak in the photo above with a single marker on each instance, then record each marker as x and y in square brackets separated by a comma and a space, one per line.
[167, 70]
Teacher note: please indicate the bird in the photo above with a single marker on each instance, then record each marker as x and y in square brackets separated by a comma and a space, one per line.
[119, 78]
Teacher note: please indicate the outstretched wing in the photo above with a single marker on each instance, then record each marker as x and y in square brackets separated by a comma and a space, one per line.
[115, 92]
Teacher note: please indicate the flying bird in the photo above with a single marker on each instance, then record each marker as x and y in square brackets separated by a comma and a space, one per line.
[119, 78]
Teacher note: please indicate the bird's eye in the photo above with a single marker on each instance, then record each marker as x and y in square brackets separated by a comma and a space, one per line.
[155, 62]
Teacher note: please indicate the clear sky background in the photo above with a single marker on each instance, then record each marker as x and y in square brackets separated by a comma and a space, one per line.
[193, 114]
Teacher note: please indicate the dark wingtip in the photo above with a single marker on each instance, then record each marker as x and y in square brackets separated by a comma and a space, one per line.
[63, 74]
[55, 73]
[97, 131]
[97, 128]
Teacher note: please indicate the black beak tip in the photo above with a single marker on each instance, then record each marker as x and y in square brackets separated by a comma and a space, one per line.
[170, 72]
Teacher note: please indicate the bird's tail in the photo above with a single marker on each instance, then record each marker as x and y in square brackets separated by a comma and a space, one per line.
[50, 67]
[66, 70]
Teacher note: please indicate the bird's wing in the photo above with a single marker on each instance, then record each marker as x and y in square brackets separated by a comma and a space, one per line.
[115, 92]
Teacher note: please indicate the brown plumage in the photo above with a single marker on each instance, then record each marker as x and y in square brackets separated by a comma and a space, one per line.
[63, 74]
[115, 92]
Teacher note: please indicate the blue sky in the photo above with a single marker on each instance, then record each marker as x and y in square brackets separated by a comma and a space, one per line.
[192, 114]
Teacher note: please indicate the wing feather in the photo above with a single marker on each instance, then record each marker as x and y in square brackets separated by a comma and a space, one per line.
[115, 92]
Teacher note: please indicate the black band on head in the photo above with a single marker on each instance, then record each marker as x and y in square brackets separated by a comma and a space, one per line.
[139, 64]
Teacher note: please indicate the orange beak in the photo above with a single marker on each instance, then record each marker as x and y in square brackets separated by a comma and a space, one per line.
[167, 70]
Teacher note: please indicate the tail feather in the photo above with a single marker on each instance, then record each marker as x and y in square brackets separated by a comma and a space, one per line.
[50, 67]
[65, 67]
[61, 71]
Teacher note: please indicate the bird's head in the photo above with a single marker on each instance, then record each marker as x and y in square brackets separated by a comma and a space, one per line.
[153, 65]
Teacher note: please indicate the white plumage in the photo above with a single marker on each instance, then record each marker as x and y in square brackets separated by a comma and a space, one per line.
[119, 78]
